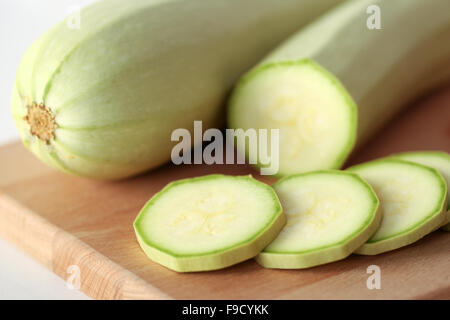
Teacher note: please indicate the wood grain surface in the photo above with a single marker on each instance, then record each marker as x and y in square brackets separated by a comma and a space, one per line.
[63, 221]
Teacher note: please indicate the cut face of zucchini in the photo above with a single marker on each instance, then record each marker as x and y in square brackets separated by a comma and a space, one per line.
[209, 222]
[315, 114]
[435, 159]
[329, 215]
[413, 201]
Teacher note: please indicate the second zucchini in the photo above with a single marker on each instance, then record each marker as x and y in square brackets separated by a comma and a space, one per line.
[299, 87]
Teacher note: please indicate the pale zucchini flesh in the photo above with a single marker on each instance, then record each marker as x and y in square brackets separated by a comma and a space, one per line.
[102, 101]
[436, 159]
[208, 223]
[329, 215]
[413, 201]
[381, 70]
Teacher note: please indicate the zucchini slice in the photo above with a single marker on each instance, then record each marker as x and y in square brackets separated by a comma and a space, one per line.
[413, 201]
[329, 215]
[209, 222]
[436, 159]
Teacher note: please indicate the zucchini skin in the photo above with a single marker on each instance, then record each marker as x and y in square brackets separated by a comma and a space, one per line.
[138, 69]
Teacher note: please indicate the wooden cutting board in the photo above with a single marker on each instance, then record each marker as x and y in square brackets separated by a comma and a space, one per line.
[65, 221]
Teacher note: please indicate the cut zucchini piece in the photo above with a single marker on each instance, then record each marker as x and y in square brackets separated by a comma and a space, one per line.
[329, 215]
[436, 159]
[209, 222]
[413, 201]
[315, 114]
[382, 70]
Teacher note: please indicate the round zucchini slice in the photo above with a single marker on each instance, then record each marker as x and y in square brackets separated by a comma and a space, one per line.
[329, 215]
[413, 200]
[209, 222]
[436, 159]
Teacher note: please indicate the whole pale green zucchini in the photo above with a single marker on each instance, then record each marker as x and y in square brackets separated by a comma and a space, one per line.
[101, 101]
[340, 73]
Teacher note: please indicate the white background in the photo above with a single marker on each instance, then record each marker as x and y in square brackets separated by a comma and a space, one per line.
[21, 22]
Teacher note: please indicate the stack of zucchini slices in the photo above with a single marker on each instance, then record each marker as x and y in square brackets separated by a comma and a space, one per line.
[303, 220]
